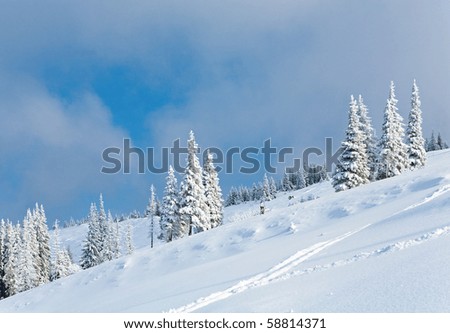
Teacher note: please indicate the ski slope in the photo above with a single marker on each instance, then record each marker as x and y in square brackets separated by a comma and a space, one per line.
[382, 247]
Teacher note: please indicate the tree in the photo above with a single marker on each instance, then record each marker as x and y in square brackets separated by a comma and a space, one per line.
[393, 151]
[29, 255]
[114, 236]
[62, 265]
[416, 148]
[170, 207]
[104, 234]
[10, 260]
[213, 192]
[272, 188]
[43, 240]
[194, 215]
[441, 144]
[151, 210]
[286, 183]
[129, 239]
[2, 258]
[266, 196]
[91, 255]
[369, 138]
[352, 169]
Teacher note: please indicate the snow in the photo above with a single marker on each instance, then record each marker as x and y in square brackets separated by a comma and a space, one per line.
[381, 247]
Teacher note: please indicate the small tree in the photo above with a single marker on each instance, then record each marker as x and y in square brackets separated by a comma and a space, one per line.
[213, 192]
[416, 143]
[170, 207]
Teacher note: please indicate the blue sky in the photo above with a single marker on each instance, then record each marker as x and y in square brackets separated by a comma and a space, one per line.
[78, 77]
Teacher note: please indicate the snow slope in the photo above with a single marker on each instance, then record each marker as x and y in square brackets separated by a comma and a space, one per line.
[382, 247]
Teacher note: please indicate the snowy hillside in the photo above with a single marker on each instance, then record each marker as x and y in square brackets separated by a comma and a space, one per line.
[382, 247]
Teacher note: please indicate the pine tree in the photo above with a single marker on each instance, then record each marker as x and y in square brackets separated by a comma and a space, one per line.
[193, 207]
[352, 169]
[170, 207]
[151, 210]
[10, 260]
[213, 192]
[2, 258]
[43, 241]
[432, 143]
[416, 149]
[104, 246]
[441, 144]
[272, 188]
[28, 263]
[287, 183]
[114, 236]
[266, 189]
[91, 255]
[393, 151]
[369, 138]
[61, 262]
[129, 239]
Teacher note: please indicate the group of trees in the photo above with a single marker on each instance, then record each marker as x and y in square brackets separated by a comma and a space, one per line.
[267, 189]
[103, 240]
[435, 143]
[195, 206]
[26, 257]
[365, 159]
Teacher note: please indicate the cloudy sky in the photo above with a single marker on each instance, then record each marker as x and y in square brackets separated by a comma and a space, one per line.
[77, 77]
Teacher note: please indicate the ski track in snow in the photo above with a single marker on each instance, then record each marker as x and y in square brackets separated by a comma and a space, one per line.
[398, 246]
[434, 195]
[276, 273]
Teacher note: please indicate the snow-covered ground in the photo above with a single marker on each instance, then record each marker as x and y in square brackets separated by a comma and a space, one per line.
[383, 247]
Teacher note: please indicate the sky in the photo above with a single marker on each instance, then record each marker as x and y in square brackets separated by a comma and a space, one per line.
[77, 77]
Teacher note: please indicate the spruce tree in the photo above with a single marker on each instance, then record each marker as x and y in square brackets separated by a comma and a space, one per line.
[213, 192]
[151, 210]
[266, 196]
[416, 143]
[91, 255]
[352, 169]
[28, 265]
[2, 258]
[170, 207]
[10, 260]
[43, 240]
[194, 214]
[393, 151]
[129, 239]
[369, 138]
[286, 183]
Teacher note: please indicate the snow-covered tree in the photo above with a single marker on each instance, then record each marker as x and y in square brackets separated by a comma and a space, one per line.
[104, 245]
[2, 255]
[91, 255]
[11, 278]
[393, 157]
[370, 139]
[29, 255]
[213, 192]
[43, 240]
[194, 214]
[129, 239]
[150, 213]
[62, 264]
[416, 144]
[272, 188]
[170, 207]
[114, 236]
[441, 144]
[352, 169]
[286, 183]
[266, 196]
